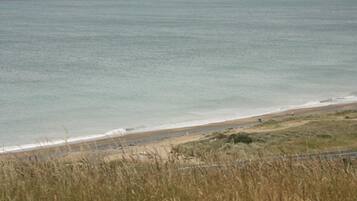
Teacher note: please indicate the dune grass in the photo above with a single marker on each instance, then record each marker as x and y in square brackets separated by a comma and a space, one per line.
[131, 179]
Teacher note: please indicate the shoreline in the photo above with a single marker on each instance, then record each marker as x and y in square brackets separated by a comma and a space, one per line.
[146, 137]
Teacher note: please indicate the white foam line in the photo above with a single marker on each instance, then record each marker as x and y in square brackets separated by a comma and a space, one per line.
[121, 131]
[46, 144]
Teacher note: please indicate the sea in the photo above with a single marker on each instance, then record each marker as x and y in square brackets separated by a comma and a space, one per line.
[78, 69]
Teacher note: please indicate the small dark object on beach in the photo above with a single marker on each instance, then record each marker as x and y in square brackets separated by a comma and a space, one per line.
[347, 117]
[260, 120]
[240, 138]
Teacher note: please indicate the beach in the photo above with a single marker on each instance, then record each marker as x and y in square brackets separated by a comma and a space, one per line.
[166, 138]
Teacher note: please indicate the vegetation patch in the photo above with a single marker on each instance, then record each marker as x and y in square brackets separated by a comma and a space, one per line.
[240, 138]
[320, 133]
[324, 136]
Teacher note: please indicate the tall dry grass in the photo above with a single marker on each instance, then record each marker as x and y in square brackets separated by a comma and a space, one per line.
[94, 179]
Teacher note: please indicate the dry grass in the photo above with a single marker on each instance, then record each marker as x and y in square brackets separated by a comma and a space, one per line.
[91, 177]
[131, 179]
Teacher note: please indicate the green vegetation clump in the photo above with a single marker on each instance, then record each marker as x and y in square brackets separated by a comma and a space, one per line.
[218, 136]
[324, 136]
[351, 113]
[240, 138]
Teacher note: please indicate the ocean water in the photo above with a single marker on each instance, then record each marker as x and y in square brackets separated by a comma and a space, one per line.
[72, 68]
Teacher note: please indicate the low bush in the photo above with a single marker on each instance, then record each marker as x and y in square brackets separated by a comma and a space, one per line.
[240, 138]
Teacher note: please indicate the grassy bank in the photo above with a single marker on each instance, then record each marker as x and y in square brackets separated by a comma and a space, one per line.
[205, 169]
[292, 135]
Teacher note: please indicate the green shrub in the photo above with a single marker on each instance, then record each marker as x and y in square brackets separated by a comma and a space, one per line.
[240, 138]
